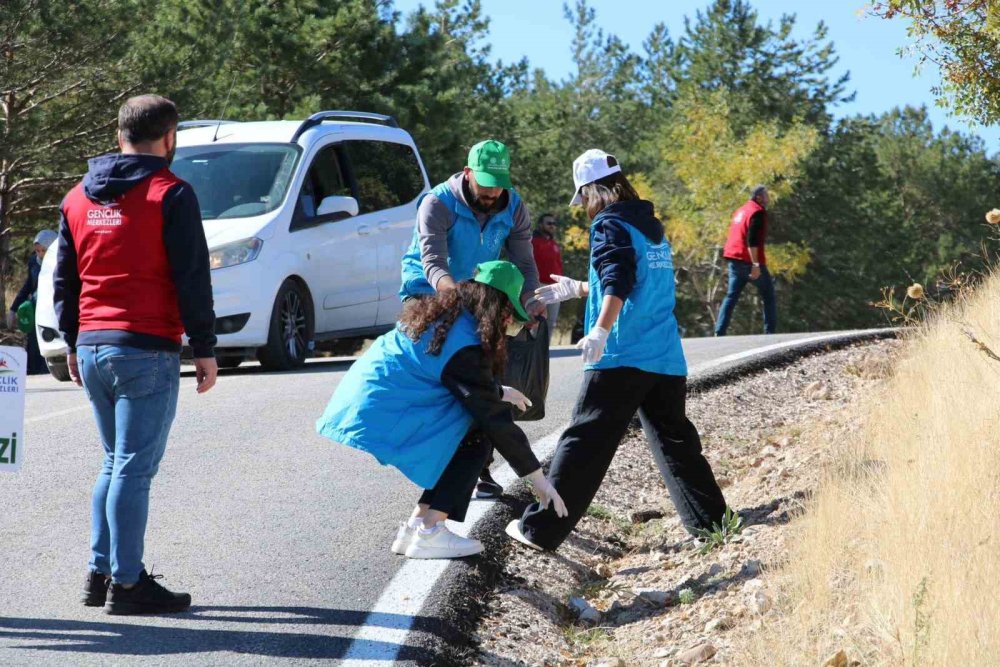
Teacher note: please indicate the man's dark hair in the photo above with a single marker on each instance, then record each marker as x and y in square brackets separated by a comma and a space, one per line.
[147, 118]
[545, 216]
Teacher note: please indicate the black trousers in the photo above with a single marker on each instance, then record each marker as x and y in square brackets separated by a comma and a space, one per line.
[36, 362]
[453, 490]
[608, 400]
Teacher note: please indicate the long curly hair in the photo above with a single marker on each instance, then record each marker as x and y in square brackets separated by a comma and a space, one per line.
[488, 306]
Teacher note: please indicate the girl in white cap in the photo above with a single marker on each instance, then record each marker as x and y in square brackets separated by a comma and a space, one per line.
[633, 362]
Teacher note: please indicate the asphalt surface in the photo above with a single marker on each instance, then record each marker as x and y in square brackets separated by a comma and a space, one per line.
[280, 536]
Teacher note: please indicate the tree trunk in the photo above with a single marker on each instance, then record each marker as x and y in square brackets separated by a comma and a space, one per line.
[5, 265]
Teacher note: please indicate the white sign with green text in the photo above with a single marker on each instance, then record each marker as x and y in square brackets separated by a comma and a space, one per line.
[13, 373]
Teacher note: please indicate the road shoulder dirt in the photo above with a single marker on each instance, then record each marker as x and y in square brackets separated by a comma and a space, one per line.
[629, 587]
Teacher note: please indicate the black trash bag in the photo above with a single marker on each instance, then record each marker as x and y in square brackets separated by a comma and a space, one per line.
[528, 369]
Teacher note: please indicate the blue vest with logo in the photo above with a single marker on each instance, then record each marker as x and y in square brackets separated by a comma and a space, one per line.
[645, 335]
[468, 244]
[391, 404]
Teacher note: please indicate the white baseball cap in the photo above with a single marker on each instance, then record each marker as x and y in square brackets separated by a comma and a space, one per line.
[592, 166]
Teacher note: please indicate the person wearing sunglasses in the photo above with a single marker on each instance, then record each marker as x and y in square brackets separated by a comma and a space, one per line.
[548, 259]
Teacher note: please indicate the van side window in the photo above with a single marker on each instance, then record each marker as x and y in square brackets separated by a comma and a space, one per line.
[387, 174]
[324, 179]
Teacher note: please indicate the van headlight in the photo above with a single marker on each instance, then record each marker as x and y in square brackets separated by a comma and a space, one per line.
[232, 254]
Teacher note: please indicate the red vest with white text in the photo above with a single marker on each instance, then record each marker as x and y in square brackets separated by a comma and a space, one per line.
[736, 244]
[125, 277]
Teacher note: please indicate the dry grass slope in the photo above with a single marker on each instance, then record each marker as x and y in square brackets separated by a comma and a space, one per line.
[897, 561]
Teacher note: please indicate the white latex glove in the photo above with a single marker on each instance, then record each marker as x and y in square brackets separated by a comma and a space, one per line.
[514, 397]
[563, 289]
[546, 493]
[593, 345]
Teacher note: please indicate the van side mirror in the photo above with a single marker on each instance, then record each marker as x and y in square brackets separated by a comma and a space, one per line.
[337, 204]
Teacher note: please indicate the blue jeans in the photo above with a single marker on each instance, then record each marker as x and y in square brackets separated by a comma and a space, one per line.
[739, 276]
[134, 396]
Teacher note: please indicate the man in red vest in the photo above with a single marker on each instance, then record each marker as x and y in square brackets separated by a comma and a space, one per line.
[748, 262]
[548, 259]
[132, 276]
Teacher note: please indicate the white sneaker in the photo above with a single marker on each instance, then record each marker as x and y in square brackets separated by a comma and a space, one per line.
[514, 530]
[403, 538]
[439, 542]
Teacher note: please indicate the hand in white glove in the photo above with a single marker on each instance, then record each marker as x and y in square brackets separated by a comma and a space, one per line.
[563, 289]
[546, 493]
[514, 397]
[593, 345]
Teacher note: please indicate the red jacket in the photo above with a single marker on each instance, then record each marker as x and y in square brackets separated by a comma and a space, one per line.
[126, 279]
[548, 258]
[736, 244]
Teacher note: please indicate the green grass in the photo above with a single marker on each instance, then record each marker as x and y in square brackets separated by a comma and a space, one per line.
[721, 533]
[590, 638]
[600, 512]
[598, 587]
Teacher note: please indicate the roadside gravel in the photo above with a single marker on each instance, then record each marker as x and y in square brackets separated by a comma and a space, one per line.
[629, 587]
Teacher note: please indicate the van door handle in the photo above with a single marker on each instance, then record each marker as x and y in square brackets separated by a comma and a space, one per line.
[383, 226]
[364, 230]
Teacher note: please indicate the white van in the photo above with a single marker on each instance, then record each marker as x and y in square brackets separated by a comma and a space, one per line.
[306, 222]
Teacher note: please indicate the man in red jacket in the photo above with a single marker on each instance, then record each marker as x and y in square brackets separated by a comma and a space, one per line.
[133, 275]
[548, 259]
[748, 262]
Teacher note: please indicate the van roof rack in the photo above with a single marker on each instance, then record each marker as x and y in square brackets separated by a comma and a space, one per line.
[320, 116]
[188, 124]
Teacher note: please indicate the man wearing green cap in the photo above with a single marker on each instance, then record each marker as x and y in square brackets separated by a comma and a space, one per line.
[467, 220]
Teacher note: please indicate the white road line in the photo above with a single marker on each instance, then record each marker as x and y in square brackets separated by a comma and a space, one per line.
[739, 356]
[379, 640]
[57, 413]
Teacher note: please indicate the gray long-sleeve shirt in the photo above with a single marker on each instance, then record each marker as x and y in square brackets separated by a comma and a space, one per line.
[435, 219]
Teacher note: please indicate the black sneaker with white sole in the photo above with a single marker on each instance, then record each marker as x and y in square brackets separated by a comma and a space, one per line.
[487, 487]
[148, 596]
[95, 589]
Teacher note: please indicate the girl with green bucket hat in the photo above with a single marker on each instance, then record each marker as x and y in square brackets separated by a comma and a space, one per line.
[424, 398]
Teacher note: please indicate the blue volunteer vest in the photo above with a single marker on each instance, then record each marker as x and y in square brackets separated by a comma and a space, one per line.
[392, 404]
[468, 244]
[645, 336]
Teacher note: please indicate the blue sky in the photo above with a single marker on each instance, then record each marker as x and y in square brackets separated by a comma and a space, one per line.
[866, 45]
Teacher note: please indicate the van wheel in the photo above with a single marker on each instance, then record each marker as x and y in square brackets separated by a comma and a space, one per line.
[59, 370]
[291, 329]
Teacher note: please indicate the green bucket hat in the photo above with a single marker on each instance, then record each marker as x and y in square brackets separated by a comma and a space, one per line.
[505, 277]
[490, 164]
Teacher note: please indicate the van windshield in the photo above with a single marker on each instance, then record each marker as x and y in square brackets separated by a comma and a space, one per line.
[237, 180]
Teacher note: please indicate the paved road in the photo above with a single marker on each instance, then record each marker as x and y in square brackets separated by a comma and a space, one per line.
[281, 537]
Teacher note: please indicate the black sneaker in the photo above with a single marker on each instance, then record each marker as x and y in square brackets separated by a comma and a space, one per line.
[95, 589]
[146, 597]
[487, 487]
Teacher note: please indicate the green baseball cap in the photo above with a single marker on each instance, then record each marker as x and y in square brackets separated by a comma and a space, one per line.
[505, 277]
[490, 163]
